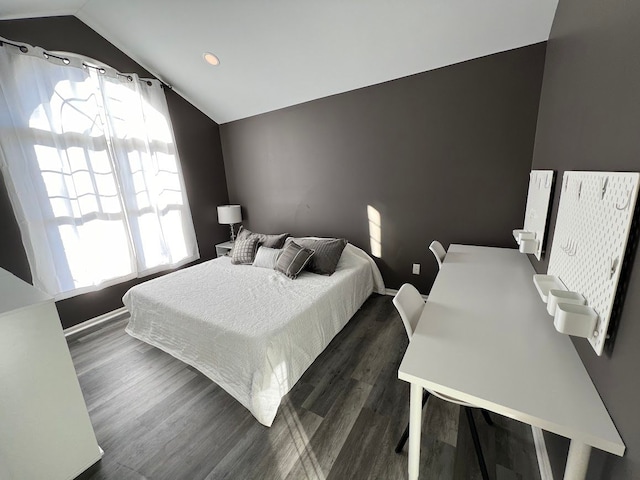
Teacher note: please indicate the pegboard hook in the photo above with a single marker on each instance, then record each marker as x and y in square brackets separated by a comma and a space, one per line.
[614, 267]
[626, 204]
[570, 247]
[605, 183]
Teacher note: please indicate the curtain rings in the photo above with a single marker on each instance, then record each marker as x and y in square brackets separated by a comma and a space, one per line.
[47, 55]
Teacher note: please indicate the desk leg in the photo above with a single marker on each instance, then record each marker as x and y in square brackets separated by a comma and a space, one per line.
[577, 461]
[415, 425]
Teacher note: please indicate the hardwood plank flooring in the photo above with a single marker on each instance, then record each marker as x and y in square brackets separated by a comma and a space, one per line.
[157, 418]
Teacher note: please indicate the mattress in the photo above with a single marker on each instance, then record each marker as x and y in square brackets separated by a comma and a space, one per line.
[251, 330]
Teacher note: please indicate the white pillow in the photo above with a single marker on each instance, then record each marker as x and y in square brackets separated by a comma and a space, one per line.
[267, 257]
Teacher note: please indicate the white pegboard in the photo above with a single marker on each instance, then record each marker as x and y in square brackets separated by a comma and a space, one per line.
[535, 216]
[594, 219]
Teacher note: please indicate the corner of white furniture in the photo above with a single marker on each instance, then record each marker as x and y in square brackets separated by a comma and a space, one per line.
[46, 429]
[223, 248]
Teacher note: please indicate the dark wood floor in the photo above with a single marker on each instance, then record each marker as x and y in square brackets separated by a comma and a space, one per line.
[157, 418]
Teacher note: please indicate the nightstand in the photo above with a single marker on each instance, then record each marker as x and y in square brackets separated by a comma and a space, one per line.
[223, 248]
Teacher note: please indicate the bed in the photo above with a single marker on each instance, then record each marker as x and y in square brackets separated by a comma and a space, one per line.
[251, 330]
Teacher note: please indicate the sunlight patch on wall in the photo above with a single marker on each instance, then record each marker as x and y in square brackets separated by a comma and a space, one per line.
[375, 231]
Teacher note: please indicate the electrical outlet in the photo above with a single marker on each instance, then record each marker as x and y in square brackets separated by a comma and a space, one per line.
[416, 269]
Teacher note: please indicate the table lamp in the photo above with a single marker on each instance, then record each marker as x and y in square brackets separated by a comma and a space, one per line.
[229, 215]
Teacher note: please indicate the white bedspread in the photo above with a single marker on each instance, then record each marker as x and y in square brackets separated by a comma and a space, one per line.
[251, 330]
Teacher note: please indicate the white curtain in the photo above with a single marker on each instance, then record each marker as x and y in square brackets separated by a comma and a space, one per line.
[93, 175]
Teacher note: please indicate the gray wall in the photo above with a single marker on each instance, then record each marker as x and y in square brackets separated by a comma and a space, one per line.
[441, 155]
[197, 140]
[589, 119]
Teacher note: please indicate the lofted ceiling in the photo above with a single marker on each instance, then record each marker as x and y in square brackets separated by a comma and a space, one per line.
[274, 54]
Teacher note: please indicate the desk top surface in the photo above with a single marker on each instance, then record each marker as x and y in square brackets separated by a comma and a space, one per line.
[485, 337]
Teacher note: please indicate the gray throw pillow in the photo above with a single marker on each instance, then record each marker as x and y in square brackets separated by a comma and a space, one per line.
[270, 241]
[267, 257]
[293, 259]
[327, 253]
[244, 251]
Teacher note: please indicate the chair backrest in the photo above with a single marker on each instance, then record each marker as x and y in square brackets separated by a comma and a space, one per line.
[438, 251]
[409, 304]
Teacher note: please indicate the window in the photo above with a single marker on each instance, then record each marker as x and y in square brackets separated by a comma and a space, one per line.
[92, 171]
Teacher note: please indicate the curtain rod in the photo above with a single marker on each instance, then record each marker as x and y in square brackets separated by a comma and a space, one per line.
[24, 49]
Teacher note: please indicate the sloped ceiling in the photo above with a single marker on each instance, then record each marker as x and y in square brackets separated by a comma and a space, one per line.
[274, 54]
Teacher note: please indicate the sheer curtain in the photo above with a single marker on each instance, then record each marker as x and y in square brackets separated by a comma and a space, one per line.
[93, 175]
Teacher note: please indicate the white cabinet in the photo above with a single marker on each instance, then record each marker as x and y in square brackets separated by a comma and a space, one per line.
[45, 430]
[223, 248]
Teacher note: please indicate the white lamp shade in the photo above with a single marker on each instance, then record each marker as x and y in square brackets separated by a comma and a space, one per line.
[229, 214]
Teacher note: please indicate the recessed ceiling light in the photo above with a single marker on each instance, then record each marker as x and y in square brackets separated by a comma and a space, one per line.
[211, 58]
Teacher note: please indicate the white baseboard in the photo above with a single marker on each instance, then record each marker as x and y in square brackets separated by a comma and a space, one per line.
[106, 317]
[541, 452]
[392, 292]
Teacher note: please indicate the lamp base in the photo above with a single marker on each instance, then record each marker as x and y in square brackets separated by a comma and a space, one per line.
[233, 235]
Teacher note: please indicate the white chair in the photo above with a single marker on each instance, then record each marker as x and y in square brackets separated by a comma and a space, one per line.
[410, 304]
[438, 251]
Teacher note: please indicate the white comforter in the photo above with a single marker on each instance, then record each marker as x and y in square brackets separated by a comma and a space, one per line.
[251, 330]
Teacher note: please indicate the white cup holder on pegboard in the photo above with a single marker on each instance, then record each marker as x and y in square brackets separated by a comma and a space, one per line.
[531, 237]
[574, 319]
[560, 302]
[558, 297]
[545, 283]
[527, 242]
[528, 245]
[520, 235]
[590, 239]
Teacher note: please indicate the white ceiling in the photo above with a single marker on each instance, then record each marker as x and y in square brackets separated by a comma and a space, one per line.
[274, 54]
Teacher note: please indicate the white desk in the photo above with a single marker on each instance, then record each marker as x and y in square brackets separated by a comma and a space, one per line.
[485, 337]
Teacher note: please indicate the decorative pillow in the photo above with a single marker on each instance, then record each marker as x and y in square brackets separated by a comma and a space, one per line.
[243, 233]
[267, 257]
[244, 251]
[293, 259]
[327, 253]
[270, 241]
